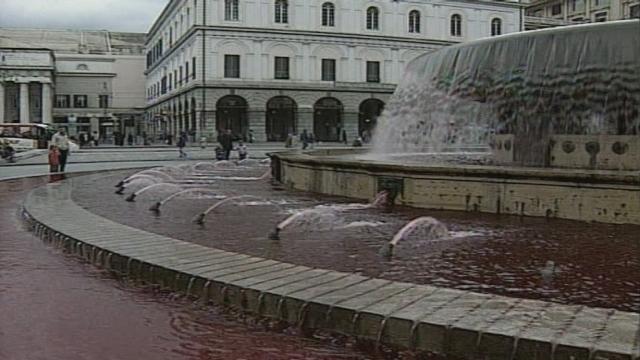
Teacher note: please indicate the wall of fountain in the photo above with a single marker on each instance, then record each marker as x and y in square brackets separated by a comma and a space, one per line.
[602, 196]
[566, 97]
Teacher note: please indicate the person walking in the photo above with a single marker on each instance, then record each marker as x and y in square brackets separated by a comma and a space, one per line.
[54, 159]
[182, 142]
[304, 139]
[226, 142]
[130, 139]
[61, 141]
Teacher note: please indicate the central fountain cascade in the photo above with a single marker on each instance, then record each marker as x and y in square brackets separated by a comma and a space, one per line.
[565, 97]
[539, 123]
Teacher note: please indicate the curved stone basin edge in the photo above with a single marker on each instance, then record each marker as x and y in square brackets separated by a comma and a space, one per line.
[586, 195]
[422, 317]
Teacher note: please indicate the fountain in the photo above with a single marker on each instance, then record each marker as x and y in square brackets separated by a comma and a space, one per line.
[541, 123]
[199, 219]
[133, 195]
[426, 227]
[156, 206]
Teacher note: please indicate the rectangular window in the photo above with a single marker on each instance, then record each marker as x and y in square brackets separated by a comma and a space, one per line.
[62, 101]
[186, 72]
[556, 9]
[634, 11]
[170, 81]
[175, 79]
[328, 70]
[232, 66]
[180, 78]
[281, 67]
[103, 101]
[600, 17]
[193, 66]
[373, 71]
[163, 85]
[80, 101]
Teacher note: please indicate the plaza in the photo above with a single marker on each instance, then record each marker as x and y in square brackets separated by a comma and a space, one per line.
[492, 212]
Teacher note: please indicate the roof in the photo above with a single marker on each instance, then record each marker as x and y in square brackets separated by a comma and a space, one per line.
[74, 41]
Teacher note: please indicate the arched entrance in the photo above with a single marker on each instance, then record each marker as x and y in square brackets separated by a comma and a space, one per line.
[281, 118]
[370, 110]
[327, 119]
[231, 113]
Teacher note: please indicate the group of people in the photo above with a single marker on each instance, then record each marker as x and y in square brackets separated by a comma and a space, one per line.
[222, 152]
[58, 151]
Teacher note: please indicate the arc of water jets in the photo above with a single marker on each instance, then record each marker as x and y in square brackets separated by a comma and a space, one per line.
[144, 173]
[156, 207]
[387, 249]
[199, 219]
[122, 185]
[133, 195]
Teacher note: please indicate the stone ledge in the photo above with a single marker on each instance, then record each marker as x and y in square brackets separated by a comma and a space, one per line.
[447, 321]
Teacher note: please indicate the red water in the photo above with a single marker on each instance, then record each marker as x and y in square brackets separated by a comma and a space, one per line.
[595, 264]
[54, 307]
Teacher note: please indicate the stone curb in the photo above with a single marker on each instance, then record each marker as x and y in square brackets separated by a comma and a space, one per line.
[426, 318]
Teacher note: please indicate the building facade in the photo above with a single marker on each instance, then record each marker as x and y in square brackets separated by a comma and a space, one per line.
[87, 81]
[546, 13]
[269, 68]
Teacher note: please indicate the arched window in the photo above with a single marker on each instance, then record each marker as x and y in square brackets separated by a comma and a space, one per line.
[496, 27]
[82, 67]
[414, 21]
[231, 10]
[456, 25]
[282, 12]
[372, 18]
[328, 14]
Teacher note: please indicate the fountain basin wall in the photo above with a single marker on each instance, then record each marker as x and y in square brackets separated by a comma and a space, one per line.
[602, 196]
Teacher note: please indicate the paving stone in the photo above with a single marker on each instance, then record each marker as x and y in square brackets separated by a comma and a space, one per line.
[576, 341]
[223, 264]
[370, 319]
[261, 263]
[214, 260]
[537, 339]
[617, 339]
[431, 316]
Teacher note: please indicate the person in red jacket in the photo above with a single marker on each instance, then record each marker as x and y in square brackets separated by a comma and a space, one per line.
[54, 158]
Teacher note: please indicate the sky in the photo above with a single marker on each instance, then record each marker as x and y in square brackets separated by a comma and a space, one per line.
[114, 15]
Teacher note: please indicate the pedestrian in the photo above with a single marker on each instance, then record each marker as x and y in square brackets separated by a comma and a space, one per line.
[219, 153]
[130, 139]
[169, 139]
[242, 150]
[250, 136]
[203, 141]
[54, 159]
[61, 142]
[344, 136]
[182, 142]
[226, 142]
[304, 139]
[94, 138]
[357, 142]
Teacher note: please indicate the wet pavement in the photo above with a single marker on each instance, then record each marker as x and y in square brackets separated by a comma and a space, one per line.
[550, 259]
[53, 306]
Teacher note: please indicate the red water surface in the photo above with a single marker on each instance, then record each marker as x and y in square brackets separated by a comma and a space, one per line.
[594, 264]
[52, 306]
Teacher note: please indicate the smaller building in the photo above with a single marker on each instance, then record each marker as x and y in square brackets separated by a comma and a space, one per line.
[548, 13]
[91, 82]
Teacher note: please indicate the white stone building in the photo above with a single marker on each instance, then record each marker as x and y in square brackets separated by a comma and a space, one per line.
[87, 81]
[273, 67]
[546, 13]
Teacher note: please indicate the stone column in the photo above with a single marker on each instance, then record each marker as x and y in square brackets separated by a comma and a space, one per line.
[2, 120]
[24, 103]
[47, 109]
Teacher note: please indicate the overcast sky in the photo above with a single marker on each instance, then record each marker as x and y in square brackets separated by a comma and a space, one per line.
[115, 15]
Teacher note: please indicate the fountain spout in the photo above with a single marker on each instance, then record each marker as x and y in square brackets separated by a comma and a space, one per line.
[120, 190]
[155, 207]
[433, 229]
[131, 197]
[275, 234]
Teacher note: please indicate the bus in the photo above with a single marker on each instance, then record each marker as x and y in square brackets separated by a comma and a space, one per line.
[24, 137]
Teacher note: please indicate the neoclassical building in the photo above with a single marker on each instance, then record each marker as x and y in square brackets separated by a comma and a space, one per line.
[273, 67]
[88, 81]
